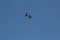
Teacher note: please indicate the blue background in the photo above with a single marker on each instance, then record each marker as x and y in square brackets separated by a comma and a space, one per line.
[44, 25]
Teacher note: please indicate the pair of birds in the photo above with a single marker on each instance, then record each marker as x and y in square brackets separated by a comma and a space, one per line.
[28, 15]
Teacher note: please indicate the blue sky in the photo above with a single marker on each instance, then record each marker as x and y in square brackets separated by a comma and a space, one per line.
[45, 23]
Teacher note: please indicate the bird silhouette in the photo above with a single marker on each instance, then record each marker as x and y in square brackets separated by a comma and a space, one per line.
[28, 15]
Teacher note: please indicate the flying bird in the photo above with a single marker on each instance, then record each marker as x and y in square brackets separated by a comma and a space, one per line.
[28, 15]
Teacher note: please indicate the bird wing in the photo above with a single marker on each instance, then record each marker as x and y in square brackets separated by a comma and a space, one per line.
[30, 16]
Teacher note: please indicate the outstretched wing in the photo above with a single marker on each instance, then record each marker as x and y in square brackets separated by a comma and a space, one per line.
[26, 14]
[30, 16]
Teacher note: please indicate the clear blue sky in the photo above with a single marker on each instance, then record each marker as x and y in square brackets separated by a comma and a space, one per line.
[45, 24]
